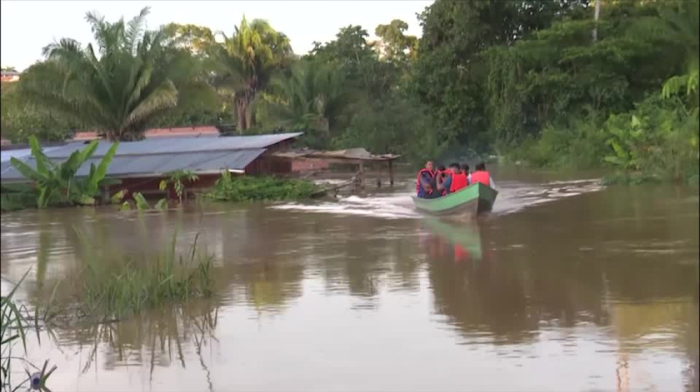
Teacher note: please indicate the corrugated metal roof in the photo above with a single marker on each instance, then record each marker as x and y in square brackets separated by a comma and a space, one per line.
[22, 153]
[147, 165]
[179, 145]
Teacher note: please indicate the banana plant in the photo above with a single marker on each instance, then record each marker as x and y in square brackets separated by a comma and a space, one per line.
[57, 182]
[175, 178]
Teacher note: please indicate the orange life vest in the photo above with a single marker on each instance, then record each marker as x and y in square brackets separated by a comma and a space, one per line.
[459, 181]
[418, 184]
[482, 177]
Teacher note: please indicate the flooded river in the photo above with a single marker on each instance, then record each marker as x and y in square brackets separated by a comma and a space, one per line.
[566, 286]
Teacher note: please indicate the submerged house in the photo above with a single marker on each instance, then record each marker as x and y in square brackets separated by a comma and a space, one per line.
[143, 164]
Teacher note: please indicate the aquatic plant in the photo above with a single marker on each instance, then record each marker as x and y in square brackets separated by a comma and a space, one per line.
[118, 285]
[13, 327]
[248, 188]
[143, 205]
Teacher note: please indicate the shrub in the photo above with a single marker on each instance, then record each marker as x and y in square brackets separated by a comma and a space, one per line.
[248, 188]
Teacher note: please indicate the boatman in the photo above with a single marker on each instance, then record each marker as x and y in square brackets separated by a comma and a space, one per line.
[424, 180]
[481, 175]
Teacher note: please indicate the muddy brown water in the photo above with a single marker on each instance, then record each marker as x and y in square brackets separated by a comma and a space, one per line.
[566, 286]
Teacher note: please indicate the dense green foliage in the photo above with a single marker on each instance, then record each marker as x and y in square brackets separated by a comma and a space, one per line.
[57, 183]
[536, 81]
[539, 87]
[22, 118]
[247, 188]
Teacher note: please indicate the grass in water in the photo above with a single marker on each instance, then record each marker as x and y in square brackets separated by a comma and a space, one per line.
[13, 327]
[116, 286]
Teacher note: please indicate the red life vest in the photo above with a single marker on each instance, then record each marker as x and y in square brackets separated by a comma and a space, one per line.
[459, 181]
[420, 173]
[482, 177]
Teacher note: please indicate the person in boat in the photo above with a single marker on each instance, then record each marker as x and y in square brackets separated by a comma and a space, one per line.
[459, 178]
[443, 181]
[481, 175]
[424, 181]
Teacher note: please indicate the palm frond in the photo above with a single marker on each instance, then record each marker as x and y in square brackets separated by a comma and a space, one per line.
[135, 29]
[163, 97]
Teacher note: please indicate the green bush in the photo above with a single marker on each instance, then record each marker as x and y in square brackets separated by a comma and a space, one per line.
[658, 138]
[581, 144]
[248, 188]
[16, 201]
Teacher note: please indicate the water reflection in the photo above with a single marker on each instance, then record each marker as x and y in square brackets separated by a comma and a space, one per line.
[158, 339]
[463, 241]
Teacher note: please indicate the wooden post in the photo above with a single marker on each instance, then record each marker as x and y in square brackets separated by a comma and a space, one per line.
[105, 195]
[391, 173]
[362, 175]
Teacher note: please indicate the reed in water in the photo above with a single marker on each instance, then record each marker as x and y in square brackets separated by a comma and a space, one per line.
[118, 285]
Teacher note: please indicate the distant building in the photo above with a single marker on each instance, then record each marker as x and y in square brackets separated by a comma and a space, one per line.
[142, 165]
[9, 76]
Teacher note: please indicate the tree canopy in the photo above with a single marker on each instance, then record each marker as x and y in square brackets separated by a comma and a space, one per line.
[527, 79]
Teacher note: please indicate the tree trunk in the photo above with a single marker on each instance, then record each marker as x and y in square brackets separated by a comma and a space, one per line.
[596, 15]
[241, 109]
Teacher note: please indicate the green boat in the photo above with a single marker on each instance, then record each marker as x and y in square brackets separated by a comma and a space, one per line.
[464, 204]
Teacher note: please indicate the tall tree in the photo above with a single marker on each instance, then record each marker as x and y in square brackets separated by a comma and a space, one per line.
[357, 62]
[133, 77]
[395, 45]
[246, 61]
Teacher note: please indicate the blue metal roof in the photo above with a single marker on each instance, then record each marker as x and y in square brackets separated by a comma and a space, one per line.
[22, 153]
[173, 145]
[154, 157]
[155, 165]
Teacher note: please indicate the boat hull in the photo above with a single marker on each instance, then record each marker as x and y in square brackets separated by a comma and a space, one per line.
[461, 205]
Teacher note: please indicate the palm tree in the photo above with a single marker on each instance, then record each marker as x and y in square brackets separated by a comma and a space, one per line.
[311, 98]
[246, 61]
[135, 76]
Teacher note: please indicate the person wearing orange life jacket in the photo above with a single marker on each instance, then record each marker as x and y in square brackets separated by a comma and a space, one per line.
[481, 175]
[459, 178]
[424, 187]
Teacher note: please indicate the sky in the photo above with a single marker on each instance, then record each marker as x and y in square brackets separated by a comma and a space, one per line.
[28, 26]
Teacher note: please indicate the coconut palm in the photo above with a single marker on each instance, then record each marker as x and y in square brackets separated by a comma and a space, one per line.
[134, 76]
[312, 99]
[246, 61]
